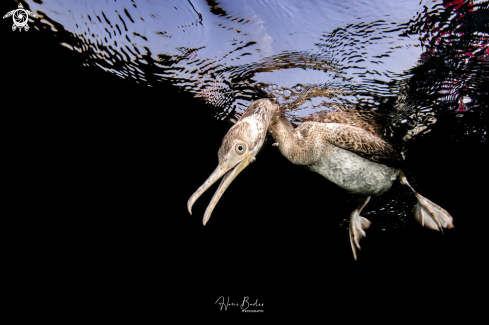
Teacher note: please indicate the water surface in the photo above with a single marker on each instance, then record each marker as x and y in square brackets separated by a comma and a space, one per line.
[418, 63]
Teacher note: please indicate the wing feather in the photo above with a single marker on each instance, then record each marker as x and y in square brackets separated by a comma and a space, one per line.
[368, 120]
[361, 142]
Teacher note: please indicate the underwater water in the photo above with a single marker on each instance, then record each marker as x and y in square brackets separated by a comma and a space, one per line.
[123, 106]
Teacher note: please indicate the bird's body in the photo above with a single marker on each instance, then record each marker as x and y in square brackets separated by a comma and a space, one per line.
[329, 150]
[344, 147]
[354, 173]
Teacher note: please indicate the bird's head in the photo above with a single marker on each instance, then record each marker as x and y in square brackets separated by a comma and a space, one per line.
[238, 149]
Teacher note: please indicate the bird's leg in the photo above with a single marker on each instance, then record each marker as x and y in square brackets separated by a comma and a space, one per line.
[427, 213]
[358, 225]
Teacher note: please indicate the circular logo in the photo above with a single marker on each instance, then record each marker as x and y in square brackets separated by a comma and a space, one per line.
[20, 18]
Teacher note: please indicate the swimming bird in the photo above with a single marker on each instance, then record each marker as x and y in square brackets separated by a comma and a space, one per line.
[344, 147]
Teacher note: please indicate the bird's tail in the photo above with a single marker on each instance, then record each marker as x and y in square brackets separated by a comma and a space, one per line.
[427, 213]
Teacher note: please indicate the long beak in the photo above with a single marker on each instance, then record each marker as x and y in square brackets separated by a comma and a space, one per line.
[229, 175]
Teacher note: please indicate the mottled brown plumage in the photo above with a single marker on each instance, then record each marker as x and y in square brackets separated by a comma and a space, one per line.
[360, 132]
[370, 121]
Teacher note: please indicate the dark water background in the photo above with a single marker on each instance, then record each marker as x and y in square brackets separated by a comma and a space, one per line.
[117, 127]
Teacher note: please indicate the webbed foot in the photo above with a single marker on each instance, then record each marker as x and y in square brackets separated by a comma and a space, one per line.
[432, 216]
[358, 225]
[427, 213]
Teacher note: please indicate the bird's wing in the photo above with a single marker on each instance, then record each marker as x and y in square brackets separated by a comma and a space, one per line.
[370, 121]
[8, 14]
[361, 142]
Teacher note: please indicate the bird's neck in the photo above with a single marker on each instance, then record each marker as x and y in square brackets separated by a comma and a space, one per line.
[296, 147]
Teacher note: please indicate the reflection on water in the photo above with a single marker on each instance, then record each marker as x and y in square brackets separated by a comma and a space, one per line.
[415, 63]
[362, 54]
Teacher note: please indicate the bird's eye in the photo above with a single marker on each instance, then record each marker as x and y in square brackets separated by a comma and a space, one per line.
[240, 148]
